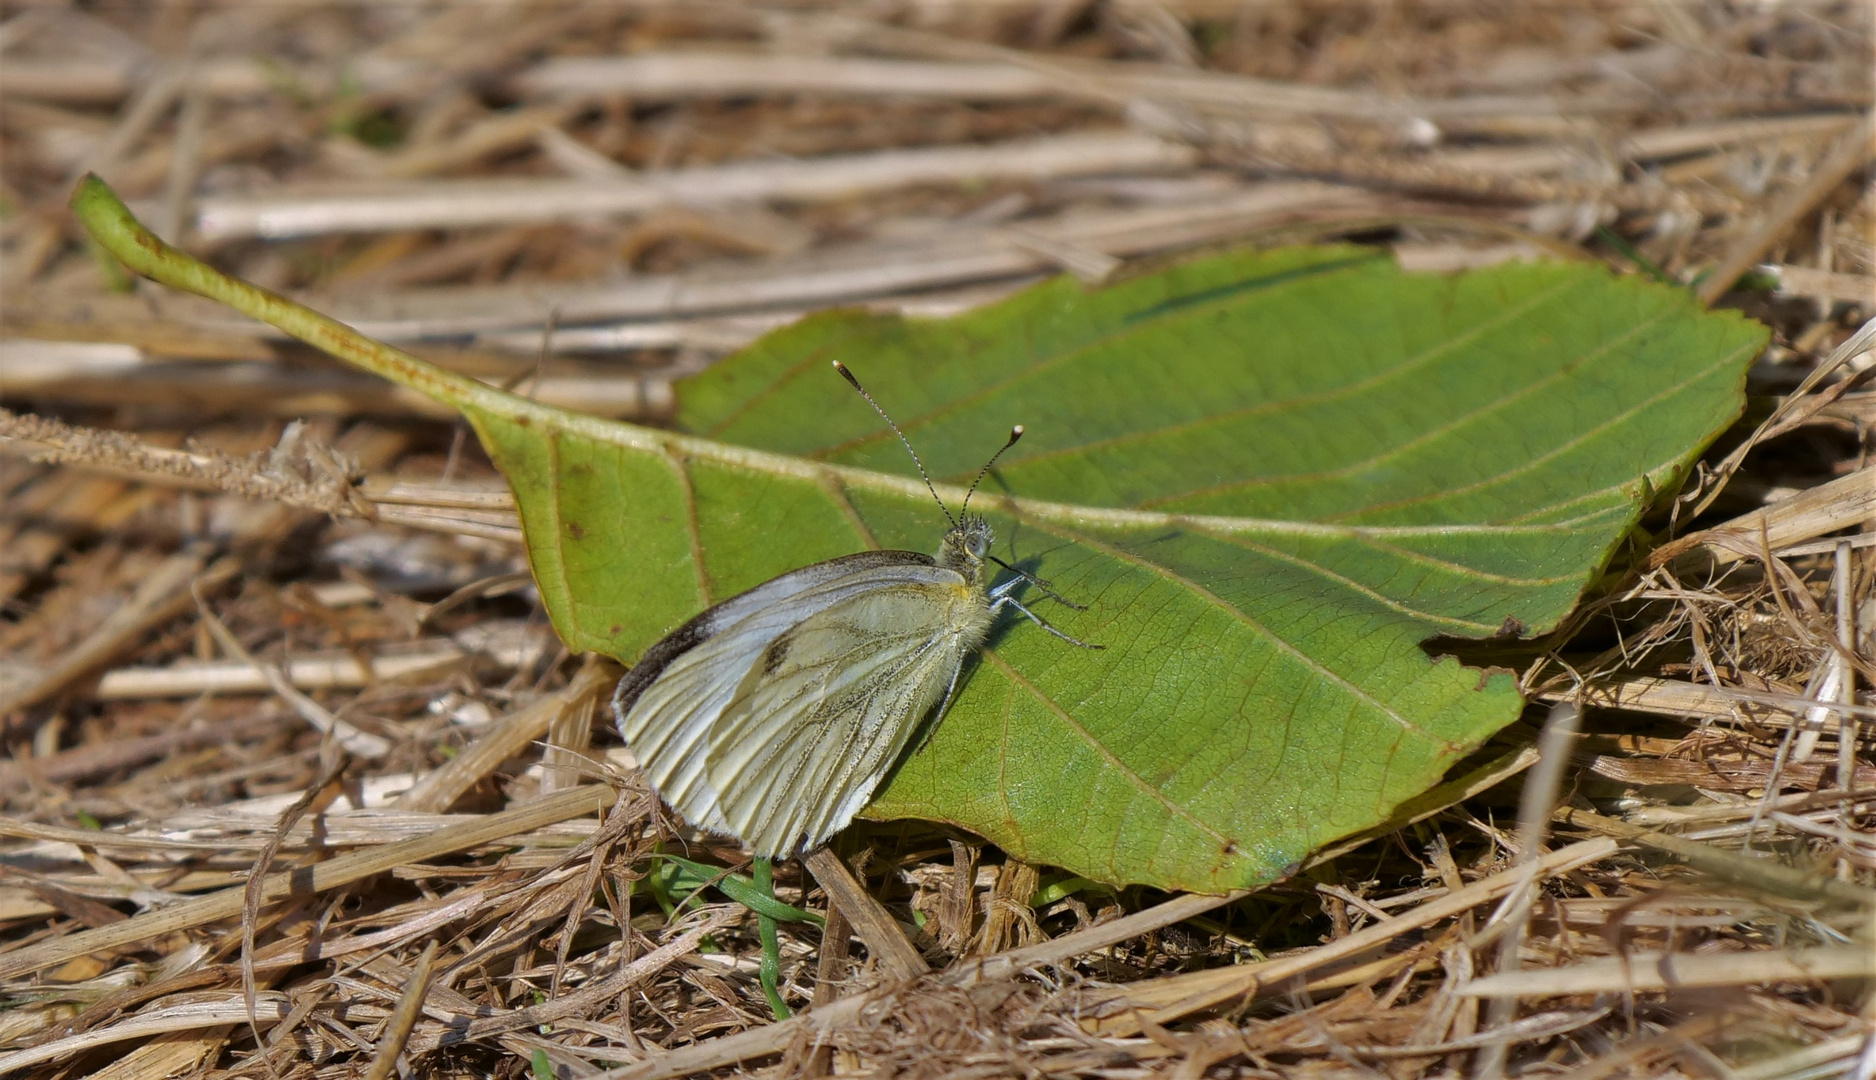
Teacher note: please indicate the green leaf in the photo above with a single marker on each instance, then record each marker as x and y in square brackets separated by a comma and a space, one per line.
[1270, 477]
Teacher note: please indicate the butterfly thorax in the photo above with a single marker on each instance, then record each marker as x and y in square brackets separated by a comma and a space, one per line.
[963, 550]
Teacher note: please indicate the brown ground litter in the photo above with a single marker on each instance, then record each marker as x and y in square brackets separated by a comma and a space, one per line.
[215, 544]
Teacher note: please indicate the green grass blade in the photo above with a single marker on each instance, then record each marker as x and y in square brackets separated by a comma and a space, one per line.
[770, 971]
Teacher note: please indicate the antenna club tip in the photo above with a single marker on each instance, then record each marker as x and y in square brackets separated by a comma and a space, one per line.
[847, 375]
[1016, 432]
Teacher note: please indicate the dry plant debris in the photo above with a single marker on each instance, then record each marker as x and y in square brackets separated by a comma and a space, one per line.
[214, 545]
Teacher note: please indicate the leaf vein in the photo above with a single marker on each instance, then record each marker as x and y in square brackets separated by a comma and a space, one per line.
[991, 387]
[687, 485]
[1407, 366]
[1425, 559]
[1426, 438]
[1562, 448]
[1278, 641]
[771, 388]
[1351, 584]
[838, 492]
[1112, 759]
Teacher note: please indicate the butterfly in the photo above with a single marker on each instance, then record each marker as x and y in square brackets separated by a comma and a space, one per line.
[773, 716]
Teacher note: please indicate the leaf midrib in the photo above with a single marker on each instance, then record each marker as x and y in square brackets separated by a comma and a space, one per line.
[501, 406]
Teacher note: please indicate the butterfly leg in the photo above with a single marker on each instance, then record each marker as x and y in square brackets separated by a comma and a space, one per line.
[1003, 598]
[1045, 587]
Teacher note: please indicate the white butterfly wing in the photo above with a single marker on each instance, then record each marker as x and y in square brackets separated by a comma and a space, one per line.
[821, 719]
[670, 702]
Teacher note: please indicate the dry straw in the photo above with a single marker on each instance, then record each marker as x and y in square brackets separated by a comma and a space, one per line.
[299, 781]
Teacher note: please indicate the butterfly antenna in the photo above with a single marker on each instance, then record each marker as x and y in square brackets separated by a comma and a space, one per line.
[922, 474]
[1015, 434]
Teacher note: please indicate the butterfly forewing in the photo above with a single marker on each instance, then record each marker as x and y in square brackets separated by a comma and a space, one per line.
[853, 682]
[718, 732]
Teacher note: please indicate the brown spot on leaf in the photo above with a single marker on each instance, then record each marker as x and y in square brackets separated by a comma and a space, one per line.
[616, 630]
[1511, 628]
[576, 530]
